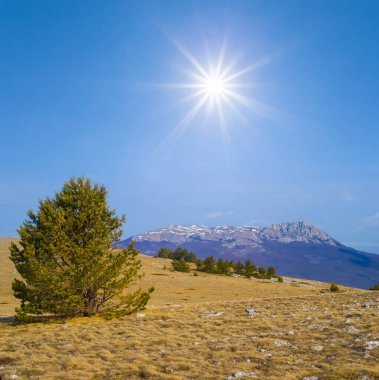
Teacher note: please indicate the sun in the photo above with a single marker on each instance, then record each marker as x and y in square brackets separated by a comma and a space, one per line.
[219, 86]
[220, 82]
[214, 86]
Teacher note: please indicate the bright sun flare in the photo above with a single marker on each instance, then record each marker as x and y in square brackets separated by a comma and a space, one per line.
[216, 87]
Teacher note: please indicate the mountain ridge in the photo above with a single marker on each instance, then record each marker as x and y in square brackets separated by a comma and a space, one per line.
[297, 249]
[283, 232]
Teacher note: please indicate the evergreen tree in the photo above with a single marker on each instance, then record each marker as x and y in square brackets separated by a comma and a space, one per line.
[224, 267]
[191, 258]
[179, 254]
[66, 260]
[271, 271]
[180, 266]
[239, 268]
[220, 267]
[165, 253]
[262, 272]
[200, 265]
[228, 267]
[209, 265]
[250, 269]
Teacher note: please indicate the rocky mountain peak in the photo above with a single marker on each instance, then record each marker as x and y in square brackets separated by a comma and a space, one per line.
[296, 231]
[284, 233]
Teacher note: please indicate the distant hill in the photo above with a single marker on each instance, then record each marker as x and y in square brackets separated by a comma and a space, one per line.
[296, 249]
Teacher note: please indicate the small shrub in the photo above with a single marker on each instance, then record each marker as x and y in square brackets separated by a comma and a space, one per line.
[375, 287]
[180, 266]
[195, 274]
[280, 279]
[334, 288]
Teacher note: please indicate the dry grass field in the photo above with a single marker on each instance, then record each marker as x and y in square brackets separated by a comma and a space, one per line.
[197, 327]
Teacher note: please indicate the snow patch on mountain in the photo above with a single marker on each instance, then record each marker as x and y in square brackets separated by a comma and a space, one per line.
[245, 235]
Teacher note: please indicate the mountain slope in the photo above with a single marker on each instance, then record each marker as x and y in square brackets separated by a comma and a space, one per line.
[296, 249]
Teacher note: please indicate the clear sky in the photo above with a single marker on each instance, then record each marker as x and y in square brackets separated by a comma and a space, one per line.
[82, 92]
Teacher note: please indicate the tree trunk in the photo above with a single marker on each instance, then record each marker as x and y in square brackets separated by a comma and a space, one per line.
[91, 304]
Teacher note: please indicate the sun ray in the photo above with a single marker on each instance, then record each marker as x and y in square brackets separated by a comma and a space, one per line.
[216, 88]
[178, 85]
[254, 105]
[178, 131]
[232, 106]
[245, 70]
[191, 96]
[191, 58]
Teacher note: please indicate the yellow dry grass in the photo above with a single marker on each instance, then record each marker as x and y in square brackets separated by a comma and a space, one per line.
[197, 328]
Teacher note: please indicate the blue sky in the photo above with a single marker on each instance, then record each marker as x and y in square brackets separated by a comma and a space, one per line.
[79, 95]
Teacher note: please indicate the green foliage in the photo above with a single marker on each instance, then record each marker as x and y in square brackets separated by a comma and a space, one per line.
[334, 288]
[280, 279]
[250, 269]
[224, 267]
[177, 255]
[164, 253]
[66, 260]
[209, 265]
[239, 268]
[262, 272]
[180, 266]
[375, 287]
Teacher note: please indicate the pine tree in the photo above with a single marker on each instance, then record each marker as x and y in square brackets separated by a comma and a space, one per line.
[250, 269]
[180, 266]
[239, 268]
[271, 272]
[209, 265]
[220, 266]
[262, 272]
[66, 260]
[191, 258]
[165, 253]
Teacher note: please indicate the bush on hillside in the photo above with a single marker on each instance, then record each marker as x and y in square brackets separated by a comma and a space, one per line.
[375, 287]
[334, 288]
[180, 266]
[224, 267]
[66, 261]
[209, 264]
[262, 272]
[239, 268]
[250, 269]
[177, 255]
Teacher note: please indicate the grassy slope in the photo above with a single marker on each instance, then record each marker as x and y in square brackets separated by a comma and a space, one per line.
[7, 273]
[176, 339]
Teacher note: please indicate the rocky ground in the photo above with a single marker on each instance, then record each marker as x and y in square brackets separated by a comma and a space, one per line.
[202, 327]
[305, 337]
